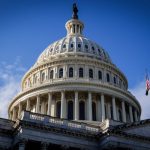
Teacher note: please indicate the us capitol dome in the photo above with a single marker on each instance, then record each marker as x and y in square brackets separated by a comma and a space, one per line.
[74, 78]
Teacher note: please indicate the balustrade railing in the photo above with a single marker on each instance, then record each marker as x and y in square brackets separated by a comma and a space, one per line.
[48, 120]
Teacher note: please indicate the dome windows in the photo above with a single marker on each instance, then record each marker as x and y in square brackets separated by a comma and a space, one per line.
[90, 73]
[108, 77]
[80, 72]
[93, 49]
[99, 75]
[79, 45]
[61, 73]
[64, 46]
[70, 72]
[51, 49]
[74, 44]
[114, 80]
[86, 47]
[71, 45]
[51, 74]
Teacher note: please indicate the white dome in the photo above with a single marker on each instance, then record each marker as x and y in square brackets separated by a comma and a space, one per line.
[74, 43]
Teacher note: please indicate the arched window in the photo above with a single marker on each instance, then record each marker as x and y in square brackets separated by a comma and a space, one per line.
[120, 115]
[43, 76]
[70, 110]
[80, 72]
[114, 80]
[64, 46]
[108, 77]
[81, 110]
[99, 75]
[86, 47]
[71, 45]
[90, 73]
[93, 49]
[93, 111]
[79, 45]
[61, 73]
[70, 72]
[58, 109]
[51, 74]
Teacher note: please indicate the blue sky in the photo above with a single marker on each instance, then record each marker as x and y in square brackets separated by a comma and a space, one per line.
[121, 27]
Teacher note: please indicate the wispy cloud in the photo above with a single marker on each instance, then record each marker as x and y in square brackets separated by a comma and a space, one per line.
[139, 92]
[10, 80]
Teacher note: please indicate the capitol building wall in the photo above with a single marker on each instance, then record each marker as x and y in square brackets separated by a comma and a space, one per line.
[74, 97]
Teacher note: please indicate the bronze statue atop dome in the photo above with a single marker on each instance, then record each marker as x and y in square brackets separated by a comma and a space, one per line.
[75, 11]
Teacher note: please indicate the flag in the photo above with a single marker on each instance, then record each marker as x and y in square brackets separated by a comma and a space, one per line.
[147, 85]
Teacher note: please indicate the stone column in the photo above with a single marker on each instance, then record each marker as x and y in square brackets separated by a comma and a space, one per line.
[42, 107]
[44, 146]
[135, 115]
[49, 103]
[114, 108]
[22, 145]
[63, 105]
[131, 114]
[103, 107]
[123, 112]
[76, 106]
[14, 114]
[109, 110]
[19, 110]
[89, 104]
[99, 118]
[38, 104]
[28, 105]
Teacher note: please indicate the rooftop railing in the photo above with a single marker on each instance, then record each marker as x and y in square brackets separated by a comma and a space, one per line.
[57, 122]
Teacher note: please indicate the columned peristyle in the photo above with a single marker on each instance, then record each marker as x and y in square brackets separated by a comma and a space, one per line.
[123, 111]
[89, 106]
[14, 114]
[28, 105]
[19, 110]
[114, 108]
[38, 104]
[131, 114]
[135, 115]
[63, 105]
[102, 107]
[76, 106]
[49, 103]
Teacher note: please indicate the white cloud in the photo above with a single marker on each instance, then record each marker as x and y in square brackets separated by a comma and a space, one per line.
[10, 79]
[139, 92]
